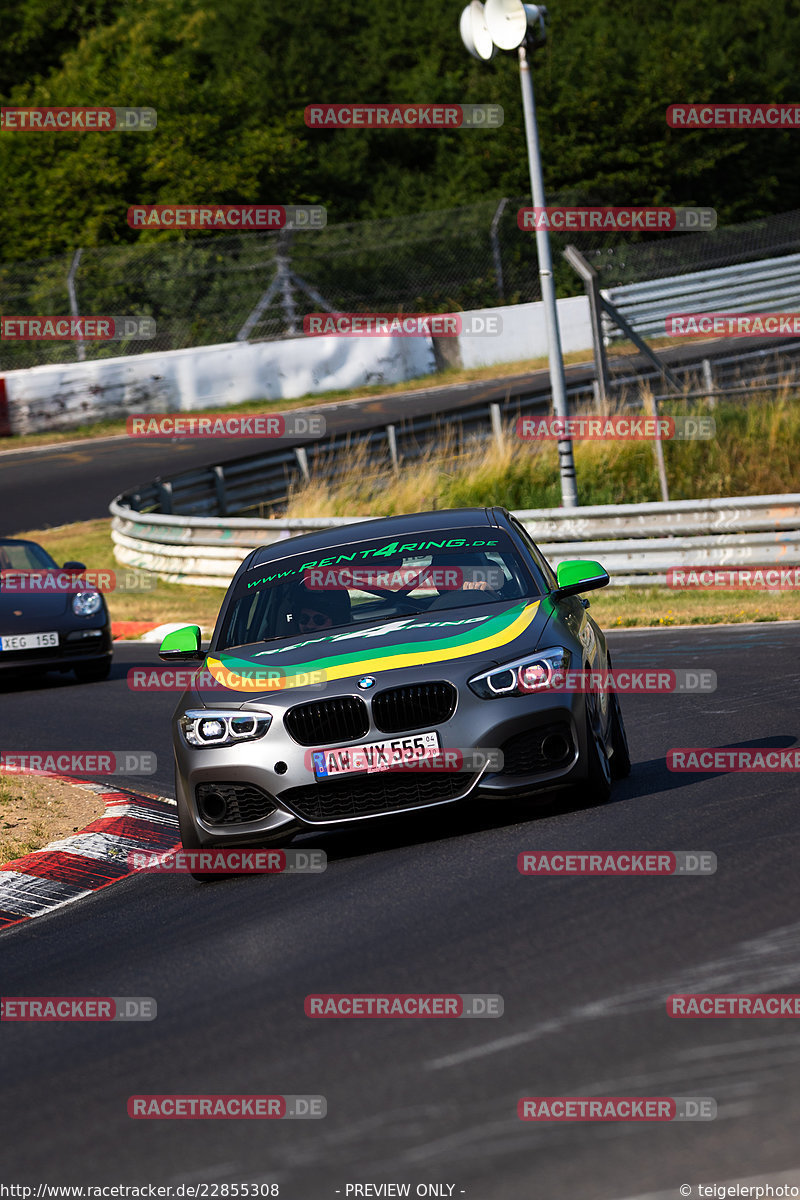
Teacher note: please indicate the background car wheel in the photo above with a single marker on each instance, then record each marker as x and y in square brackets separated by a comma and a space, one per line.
[620, 758]
[599, 767]
[93, 672]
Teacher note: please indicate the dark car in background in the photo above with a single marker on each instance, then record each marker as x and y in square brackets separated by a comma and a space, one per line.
[352, 673]
[50, 619]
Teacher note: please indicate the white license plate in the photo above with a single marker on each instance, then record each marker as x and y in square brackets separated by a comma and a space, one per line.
[28, 641]
[376, 756]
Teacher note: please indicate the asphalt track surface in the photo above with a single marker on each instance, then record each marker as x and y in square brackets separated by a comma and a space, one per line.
[435, 903]
[48, 486]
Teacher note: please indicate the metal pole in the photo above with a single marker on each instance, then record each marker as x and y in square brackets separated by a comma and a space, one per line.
[73, 298]
[498, 261]
[658, 449]
[569, 494]
[589, 276]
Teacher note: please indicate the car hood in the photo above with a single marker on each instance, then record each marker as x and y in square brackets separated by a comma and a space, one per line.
[30, 605]
[390, 646]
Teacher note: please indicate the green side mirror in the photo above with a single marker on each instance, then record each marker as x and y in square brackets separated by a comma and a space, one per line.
[182, 645]
[579, 575]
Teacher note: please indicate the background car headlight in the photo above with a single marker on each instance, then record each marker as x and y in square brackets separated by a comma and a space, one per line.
[86, 604]
[535, 673]
[208, 727]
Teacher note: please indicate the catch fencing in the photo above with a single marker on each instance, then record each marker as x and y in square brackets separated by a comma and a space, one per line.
[209, 289]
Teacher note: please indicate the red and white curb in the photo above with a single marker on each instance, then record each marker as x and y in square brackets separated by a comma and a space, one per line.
[76, 866]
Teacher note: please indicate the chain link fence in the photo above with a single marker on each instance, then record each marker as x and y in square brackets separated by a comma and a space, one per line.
[206, 288]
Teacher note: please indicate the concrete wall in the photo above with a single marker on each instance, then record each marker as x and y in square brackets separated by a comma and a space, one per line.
[69, 394]
[524, 333]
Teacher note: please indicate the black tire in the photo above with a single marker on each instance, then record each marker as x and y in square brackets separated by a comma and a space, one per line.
[598, 782]
[620, 754]
[189, 841]
[93, 672]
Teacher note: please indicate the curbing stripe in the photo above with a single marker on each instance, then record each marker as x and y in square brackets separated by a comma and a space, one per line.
[74, 867]
[106, 847]
[75, 870]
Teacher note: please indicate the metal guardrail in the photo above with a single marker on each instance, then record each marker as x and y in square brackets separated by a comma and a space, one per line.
[769, 285]
[637, 543]
[257, 484]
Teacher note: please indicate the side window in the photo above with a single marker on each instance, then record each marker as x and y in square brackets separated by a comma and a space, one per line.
[535, 552]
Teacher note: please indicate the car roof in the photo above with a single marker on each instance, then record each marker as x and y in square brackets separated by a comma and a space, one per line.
[399, 526]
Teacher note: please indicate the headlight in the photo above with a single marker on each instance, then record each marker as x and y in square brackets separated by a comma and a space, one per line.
[86, 604]
[212, 727]
[535, 673]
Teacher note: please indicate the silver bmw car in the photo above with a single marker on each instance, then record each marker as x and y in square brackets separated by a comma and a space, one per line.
[389, 666]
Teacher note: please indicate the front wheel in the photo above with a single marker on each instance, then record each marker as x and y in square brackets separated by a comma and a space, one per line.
[189, 841]
[620, 757]
[598, 780]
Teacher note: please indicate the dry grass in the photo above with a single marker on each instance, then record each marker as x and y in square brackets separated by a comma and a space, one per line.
[755, 452]
[36, 810]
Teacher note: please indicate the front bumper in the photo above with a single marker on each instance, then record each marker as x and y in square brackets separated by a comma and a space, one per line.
[76, 644]
[265, 791]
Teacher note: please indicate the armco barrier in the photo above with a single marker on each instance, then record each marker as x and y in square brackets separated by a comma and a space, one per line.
[769, 285]
[637, 543]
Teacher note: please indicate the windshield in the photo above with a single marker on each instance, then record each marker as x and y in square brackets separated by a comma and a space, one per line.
[374, 581]
[24, 556]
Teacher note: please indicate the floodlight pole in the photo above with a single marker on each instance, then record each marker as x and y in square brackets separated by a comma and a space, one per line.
[569, 493]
